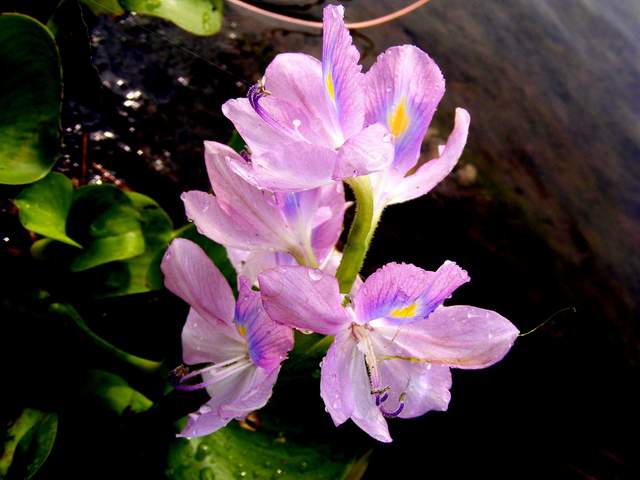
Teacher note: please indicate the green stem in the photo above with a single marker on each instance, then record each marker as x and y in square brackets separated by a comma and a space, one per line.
[362, 228]
[142, 364]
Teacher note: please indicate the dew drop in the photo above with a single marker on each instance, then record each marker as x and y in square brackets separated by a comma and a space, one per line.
[315, 275]
[202, 452]
[207, 474]
[296, 123]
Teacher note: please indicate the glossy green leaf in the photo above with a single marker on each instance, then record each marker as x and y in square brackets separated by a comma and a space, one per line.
[30, 99]
[114, 394]
[215, 251]
[200, 17]
[44, 207]
[29, 441]
[237, 453]
[140, 273]
[104, 7]
[104, 220]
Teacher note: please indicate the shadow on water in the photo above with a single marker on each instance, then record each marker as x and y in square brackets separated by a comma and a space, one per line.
[543, 211]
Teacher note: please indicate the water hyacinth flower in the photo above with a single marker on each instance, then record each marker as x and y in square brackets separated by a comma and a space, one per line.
[394, 340]
[240, 346]
[262, 228]
[305, 121]
[404, 87]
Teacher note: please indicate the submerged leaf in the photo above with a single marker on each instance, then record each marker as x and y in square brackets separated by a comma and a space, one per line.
[44, 207]
[29, 442]
[30, 99]
[200, 17]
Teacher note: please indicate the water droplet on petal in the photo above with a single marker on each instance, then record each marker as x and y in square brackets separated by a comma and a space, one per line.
[296, 123]
[315, 275]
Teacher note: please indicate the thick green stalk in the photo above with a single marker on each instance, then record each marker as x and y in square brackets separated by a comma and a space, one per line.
[360, 234]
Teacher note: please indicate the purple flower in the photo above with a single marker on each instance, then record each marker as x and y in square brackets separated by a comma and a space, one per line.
[270, 228]
[404, 88]
[305, 122]
[394, 341]
[241, 347]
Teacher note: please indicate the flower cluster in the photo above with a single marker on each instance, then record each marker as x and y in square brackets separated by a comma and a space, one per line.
[278, 208]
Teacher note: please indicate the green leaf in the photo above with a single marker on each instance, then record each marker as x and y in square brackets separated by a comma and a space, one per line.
[30, 99]
[114, 394]
[103, 218]
[141, 273]
[237, 453]
[200, 17]
[44, 207]
[102, 7]
[215, 251]
[29, 442]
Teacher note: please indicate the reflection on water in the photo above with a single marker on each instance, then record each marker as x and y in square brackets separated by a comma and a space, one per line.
[544, 211]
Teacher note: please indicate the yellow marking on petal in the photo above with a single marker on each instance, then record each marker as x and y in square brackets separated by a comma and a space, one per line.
[242, 330]
[399, 120]
[330, 89]
[404, 312]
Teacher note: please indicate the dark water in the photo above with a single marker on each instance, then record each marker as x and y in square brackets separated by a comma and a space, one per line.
[544, 211]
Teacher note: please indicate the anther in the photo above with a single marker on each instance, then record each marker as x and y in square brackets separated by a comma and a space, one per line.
[398, 410]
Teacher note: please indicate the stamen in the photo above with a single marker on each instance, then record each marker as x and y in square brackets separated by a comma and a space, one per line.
[218, 371]
[255, 93]
[398, 410]
[381, 399]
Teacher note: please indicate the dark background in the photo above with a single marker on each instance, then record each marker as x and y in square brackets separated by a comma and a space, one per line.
[543, 211]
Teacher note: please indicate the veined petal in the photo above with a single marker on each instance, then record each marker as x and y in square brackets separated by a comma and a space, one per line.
[214, 222]
[341, 73]
[405, 293]
[303, 298]
[403, 88]
[434, 171]
[250, 263]
[335, 382]
[346, 390]
[268, 341]
[368, 151]
[328, 220]
[423, 386]
[297, 78]
[245, 389]
[191, 275]
[278, 162]
[458, 336]
[205, 341]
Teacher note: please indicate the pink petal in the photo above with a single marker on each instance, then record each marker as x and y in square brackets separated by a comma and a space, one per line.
[240, 215]
[278, 162]
[303, 298]
[345, 388]
[214, 222]
[458, 336]
[434, 171]
[191, 275]
[424, 386]
[328, 220]
[403, 88]
[341, 73]
[205, 341]
[234, 396]
[368, 151]
[406, 293]
[268, 342]
[297, 79]
[250, 263]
